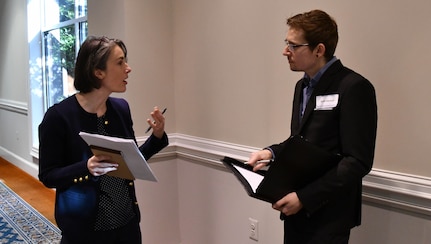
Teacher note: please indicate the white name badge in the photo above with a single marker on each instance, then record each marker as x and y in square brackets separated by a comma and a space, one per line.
[326, 102]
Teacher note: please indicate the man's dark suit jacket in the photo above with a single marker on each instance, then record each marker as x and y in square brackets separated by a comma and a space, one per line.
[346, 126]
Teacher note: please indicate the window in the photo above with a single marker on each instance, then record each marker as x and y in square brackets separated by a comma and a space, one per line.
[56, 32]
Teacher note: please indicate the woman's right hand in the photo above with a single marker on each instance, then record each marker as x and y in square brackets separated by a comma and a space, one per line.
[100, 165]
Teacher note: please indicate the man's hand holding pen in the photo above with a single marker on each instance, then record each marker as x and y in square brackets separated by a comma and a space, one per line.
[259, 159]
[289, 204]
[157, 124]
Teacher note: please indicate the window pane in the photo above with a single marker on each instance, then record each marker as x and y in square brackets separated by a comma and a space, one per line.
[57, 11]
[60, 52]
[56, 32]
[81, 8]
[83, 32]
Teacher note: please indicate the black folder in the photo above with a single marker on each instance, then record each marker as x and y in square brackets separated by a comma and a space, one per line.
[298, 164]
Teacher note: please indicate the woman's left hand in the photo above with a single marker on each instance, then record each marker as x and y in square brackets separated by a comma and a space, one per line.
[158, 123]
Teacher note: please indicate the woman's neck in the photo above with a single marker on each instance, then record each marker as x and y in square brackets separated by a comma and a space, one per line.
[93, 102]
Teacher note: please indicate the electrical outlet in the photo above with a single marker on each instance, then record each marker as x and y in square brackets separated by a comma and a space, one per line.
[254, 229]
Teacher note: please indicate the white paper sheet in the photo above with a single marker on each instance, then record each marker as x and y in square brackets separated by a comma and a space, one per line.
[254, 179]
[133, 157]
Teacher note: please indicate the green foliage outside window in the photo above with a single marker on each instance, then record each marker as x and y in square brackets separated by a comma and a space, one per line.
[60, 52]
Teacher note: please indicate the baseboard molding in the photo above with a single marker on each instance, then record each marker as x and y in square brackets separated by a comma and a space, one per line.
[382, 188]
[27, 166]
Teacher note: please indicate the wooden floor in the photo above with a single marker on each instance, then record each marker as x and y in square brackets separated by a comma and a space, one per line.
[28, 188]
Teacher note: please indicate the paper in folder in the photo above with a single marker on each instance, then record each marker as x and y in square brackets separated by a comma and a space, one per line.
[131, 163]
[298, 163]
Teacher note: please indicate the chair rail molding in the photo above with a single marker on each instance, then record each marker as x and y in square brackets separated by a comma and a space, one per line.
[382, 188]
[386, 189]
[14, 106]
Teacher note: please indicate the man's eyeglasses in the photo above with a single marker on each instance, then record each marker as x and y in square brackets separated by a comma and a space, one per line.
[292, 46]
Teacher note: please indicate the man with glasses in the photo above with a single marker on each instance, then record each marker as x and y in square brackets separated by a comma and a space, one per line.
[334, 108]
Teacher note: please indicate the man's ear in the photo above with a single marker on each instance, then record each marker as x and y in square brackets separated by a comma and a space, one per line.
[320, 49]
[99, 74]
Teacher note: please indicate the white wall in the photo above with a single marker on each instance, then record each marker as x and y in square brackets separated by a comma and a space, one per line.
[391, 226]
[237, 87]
[214, 208]
[158, 203]
[12, 67]
[146, 29]
[14, 123]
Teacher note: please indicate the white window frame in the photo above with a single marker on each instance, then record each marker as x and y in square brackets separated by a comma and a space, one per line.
[38, 98]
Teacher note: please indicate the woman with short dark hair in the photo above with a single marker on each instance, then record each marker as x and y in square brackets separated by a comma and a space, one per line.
[91, 206]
